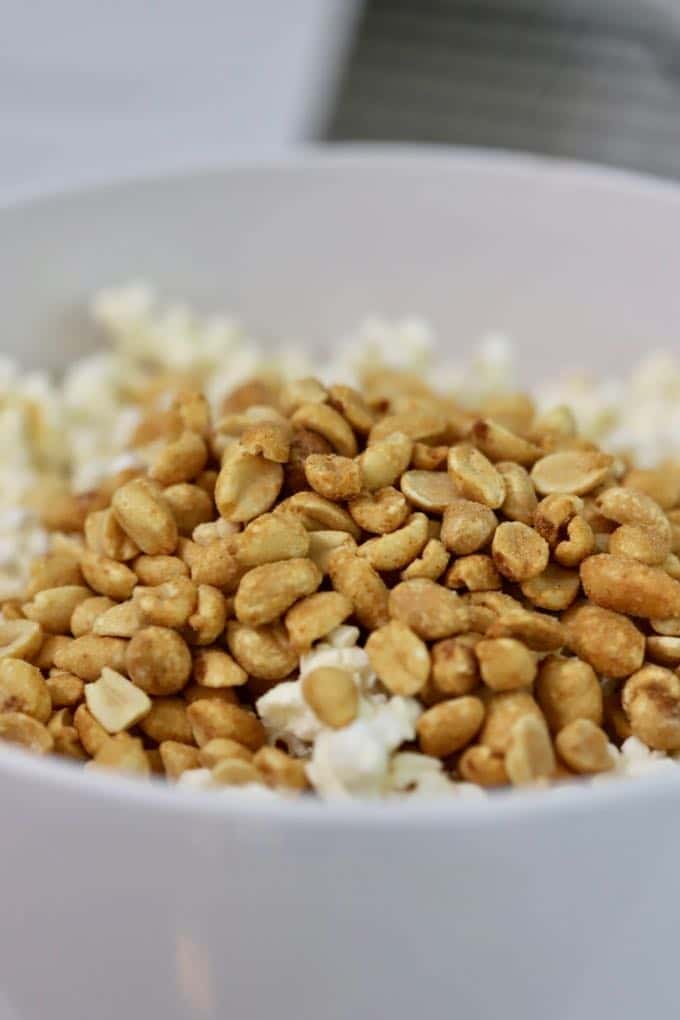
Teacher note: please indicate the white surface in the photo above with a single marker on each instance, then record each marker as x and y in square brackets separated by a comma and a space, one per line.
[154, 902]
[95, 88]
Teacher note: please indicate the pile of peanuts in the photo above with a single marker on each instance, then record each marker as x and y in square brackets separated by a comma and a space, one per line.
[511, 584]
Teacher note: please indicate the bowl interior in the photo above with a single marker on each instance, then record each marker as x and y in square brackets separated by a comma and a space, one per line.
[576, 264]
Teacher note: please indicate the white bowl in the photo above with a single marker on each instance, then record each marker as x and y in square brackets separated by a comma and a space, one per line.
[128, 900]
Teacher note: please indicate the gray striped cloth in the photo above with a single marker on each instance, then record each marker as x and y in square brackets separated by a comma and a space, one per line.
[589, 80]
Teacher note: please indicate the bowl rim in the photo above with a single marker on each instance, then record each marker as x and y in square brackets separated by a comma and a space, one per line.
[503, 807]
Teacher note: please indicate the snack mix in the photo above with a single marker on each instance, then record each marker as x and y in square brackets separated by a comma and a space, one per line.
[233, 575]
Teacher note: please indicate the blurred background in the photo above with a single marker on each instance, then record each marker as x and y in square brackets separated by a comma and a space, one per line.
[89, 89]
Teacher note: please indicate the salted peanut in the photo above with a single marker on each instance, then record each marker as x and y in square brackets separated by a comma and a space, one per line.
[538, 631]
[608, 641]
[219, 748]
[674, 521]
[11, 610]
[514, 410]
[234, 425]
[554, 513]
[145, 516]
[429, 490]
[476, 573]
[92, 734]
[669, 627]
[178, 757]
[166, 605]
[122, 620]
[651, 701]
[153, 570]
[584, 747]
[431, 563]
[520, 501]
[429, 458]
[207, 480]
[22, 689]
[352, 406]
[279, 770]
[107, 577]
[167, 719]
[332, 476]
[322, 544]
[455, 669]
[20, 639]
[122, 753]
[104, 535]
[498, 443]
[65, 736]
[269, 538]
[399, 658]
[529, 756]
[568, 689]
[52, 608]
[180, 460]
[247, 484]
[85, 614]
[194, 411]
[215, 564]
[24, 730]
[467, 526]
[158, 660]
[518, 551]
[418, 423]
[398, 548]
[297, 392]
[195, 692]
[672, 566]
[579, 543]
[428, 609]
[665, 651]
[354, 577]
[211, 531]
[53, 571]
[264, 652]
[505, 664]
[271, 439]
[251, 392]
[190, 506]
[215, 668]
[267, 591]
[318, 514]
[480, 765]
[627, 586]
[449, 726]
[661, 484]
[332, 695]
[51, 646]
[380, 512]
[571, 471]
[328, 423]
[315, 616]
[503, 710]
[65, 689]
[116, 703]
[629, 506]
[303, 442]
[208, 620]
[233, 772]
[475, 476]
[498, 602]
[210, 719]
[87, 656]
[554, 589]
[644, 544]
[382, 463]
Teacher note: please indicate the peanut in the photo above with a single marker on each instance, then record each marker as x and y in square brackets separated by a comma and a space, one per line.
[145, 516]
[449, 726]
[399, 658]
[332, 695]
[626, 586]
[267, 591]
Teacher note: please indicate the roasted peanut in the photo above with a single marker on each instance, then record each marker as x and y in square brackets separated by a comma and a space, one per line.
[553, 514]
[322, 544]
[530, 754]
[584, 747]
[428, 609]
[313, 617]
[480, 765]
[270, 538]
[318, 514]
[398, 548]
[332, 695]
[475, 572]
[66, 690]
[153, 570]
[475, 476]
[178, 757]
[264, 652]
[122, 620]
[571, 471]
[87, 656]
[215, 564]
[267, 591]
[167, 605]
[538, 631]
[116, 703]
[608, 641]
[505, 663]
[431, 563]
[157, 660]
[208, 620]
[354, 577]
[303, 443]
[22, 689]
[554, 589]
[399, 658]
[145, 516]
[247, 484]
[520, 501]
[210, 719]
[579, 543]
[17, 728]
[502, 712]
[651, 700]
[328, 423]
[191, 506]
[107, 577]
[431, 491]
[271, 439]
[382, 463]
[279, 770]
[222, 747]
[167, 720]
[52, 608]
[233, 772]
[87, 611]
[498, 443]
[214, 668]
[566, 690]
[20, 639]
[122, 753]
[380, 512]
[627, 586]
[467, 526]
[332, 476]
[518, 551]
[449, 726]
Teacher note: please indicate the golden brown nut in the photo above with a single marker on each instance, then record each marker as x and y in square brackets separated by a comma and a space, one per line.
[157, 660]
